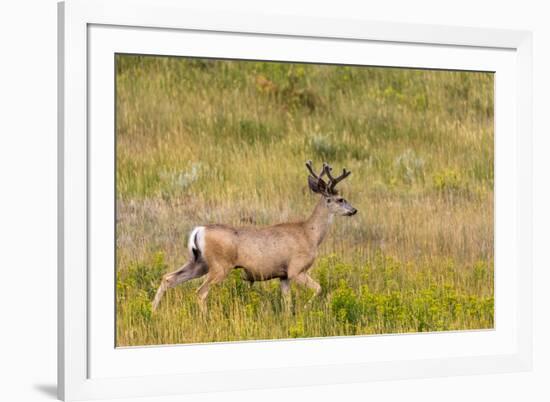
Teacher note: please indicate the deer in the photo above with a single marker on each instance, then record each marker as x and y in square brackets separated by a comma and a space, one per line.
[284, 251]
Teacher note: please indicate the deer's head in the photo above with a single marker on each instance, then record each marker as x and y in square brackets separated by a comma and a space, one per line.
[333, 201]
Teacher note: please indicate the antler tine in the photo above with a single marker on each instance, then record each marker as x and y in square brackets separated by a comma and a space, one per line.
[326, 170]
[309, 166]
[334, 181]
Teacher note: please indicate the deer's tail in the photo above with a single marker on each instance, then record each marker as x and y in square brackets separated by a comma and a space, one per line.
[196, 243]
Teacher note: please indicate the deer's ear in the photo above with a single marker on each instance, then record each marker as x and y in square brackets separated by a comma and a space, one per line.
[317, 185]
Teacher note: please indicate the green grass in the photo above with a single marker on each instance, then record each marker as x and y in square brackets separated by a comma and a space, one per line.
[204, 141]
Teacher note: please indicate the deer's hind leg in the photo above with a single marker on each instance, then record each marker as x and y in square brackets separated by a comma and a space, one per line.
[191, 270]
[216, 274]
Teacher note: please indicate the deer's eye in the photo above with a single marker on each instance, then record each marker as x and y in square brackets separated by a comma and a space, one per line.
[340, 200]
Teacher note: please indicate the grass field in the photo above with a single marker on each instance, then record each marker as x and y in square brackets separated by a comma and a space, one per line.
[203, 141]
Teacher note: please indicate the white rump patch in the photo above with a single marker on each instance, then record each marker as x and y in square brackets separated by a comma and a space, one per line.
[197, 232]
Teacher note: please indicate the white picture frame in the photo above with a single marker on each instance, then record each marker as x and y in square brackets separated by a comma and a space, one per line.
[89, 365]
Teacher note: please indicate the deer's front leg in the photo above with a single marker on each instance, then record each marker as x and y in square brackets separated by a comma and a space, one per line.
[297, 271]
[306, 280]
[285, 291]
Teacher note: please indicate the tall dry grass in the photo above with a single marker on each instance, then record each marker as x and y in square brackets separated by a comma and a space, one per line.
[205, 141]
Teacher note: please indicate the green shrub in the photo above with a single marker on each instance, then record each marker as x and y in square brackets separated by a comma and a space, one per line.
[345, 305]
[297, 330]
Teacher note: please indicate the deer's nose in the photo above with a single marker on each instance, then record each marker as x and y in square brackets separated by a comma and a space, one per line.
[353, 212]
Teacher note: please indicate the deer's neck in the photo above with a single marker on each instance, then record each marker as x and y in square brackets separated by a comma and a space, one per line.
[319, 222]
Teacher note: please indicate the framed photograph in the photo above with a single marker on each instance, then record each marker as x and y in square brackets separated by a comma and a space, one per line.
[255, 201]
